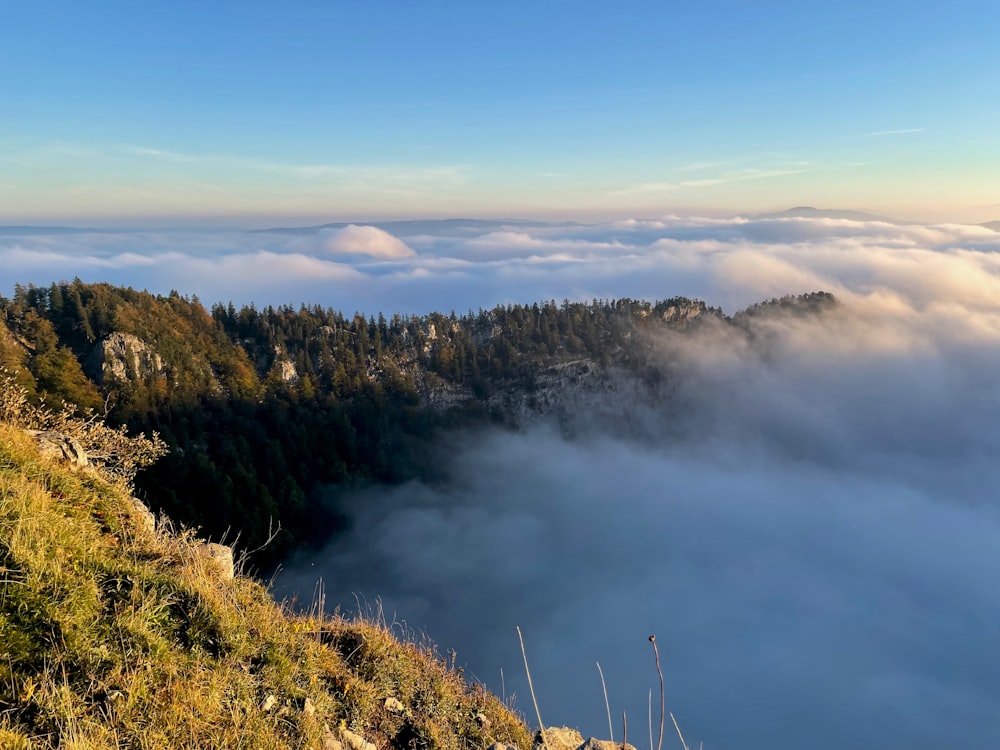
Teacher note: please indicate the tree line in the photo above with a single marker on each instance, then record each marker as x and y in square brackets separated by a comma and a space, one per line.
[272, 414]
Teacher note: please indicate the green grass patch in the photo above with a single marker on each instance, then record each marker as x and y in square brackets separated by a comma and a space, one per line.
[116, 635]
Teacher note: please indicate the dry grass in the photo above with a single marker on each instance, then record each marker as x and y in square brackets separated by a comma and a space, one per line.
[113, 634]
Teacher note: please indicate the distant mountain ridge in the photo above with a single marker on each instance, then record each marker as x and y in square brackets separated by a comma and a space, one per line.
[810, 212]
[459, 227]
[413, 227]
[32, 230]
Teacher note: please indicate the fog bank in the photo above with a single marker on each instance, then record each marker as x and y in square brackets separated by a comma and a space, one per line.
[419, 267]
[809, 525]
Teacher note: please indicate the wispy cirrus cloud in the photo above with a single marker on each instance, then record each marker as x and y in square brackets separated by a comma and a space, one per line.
[149, 180]
[699, 166]
[720, 178]
[32, 155]
[234, 161]
[392, 174]
[900, 131]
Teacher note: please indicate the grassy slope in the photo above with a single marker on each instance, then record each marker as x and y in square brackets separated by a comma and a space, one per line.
[114, 635]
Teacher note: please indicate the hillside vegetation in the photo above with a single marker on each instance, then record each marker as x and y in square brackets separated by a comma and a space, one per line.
[118, 632]
[273, 415]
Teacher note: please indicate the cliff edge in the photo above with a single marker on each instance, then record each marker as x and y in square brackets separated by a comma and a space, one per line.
[118, 631]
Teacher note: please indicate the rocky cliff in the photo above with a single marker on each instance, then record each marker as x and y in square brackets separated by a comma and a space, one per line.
[124, 357]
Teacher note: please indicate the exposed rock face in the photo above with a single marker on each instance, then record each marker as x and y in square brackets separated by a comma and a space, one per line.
[220, 557]
[143, 514]
[438, 393]
[556, 388]
[684, 312]
[59, 446]
[122, 356]
[558, 738]
[483, 336]
[564, 738]
[356, 741]
[595, 744]
[430, 333]
[273, 361]
[575, 394]
[288, 372]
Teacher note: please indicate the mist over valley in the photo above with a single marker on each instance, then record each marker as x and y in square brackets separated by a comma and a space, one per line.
[806, 519]
[797, 497]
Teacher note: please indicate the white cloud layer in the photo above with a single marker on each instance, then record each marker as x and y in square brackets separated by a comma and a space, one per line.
[811, 527]
[362, 240]
[421, 266]
[809, 524]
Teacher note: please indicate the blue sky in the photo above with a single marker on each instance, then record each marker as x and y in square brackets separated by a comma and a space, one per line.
[251, 112]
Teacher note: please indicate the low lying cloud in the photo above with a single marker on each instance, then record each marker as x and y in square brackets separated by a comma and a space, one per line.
[417, 267]
[362, 240]
[809, 524]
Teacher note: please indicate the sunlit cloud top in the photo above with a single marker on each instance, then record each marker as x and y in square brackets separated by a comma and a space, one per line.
[420, 266]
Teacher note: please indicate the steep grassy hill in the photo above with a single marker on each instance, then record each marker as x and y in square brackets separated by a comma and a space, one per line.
[117, 632]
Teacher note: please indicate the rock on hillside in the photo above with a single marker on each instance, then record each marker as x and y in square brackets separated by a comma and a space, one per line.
[124, 357]
[566, 738]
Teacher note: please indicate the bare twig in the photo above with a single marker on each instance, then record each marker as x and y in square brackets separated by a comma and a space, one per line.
[272, 534]
[683, 743]
[607, 706]
[663, 699]
[531, 687]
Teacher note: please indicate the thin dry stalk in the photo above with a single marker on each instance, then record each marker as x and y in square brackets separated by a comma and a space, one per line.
[318, 608]
[677, 727]
[607, 706]
[531, 687]
[624, 731]
[663, 698]
[649, 715]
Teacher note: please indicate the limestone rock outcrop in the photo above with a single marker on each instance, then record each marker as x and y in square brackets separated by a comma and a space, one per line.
[356, 741]
[61, 447]
[142, 513]
[565, 738]
[219, 557]
[123, 356]
[684, 312]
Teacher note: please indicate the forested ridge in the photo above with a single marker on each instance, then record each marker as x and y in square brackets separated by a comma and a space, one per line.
[270, 414]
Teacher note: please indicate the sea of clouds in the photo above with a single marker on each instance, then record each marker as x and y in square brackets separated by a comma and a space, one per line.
[811, 526]
[417, 267]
